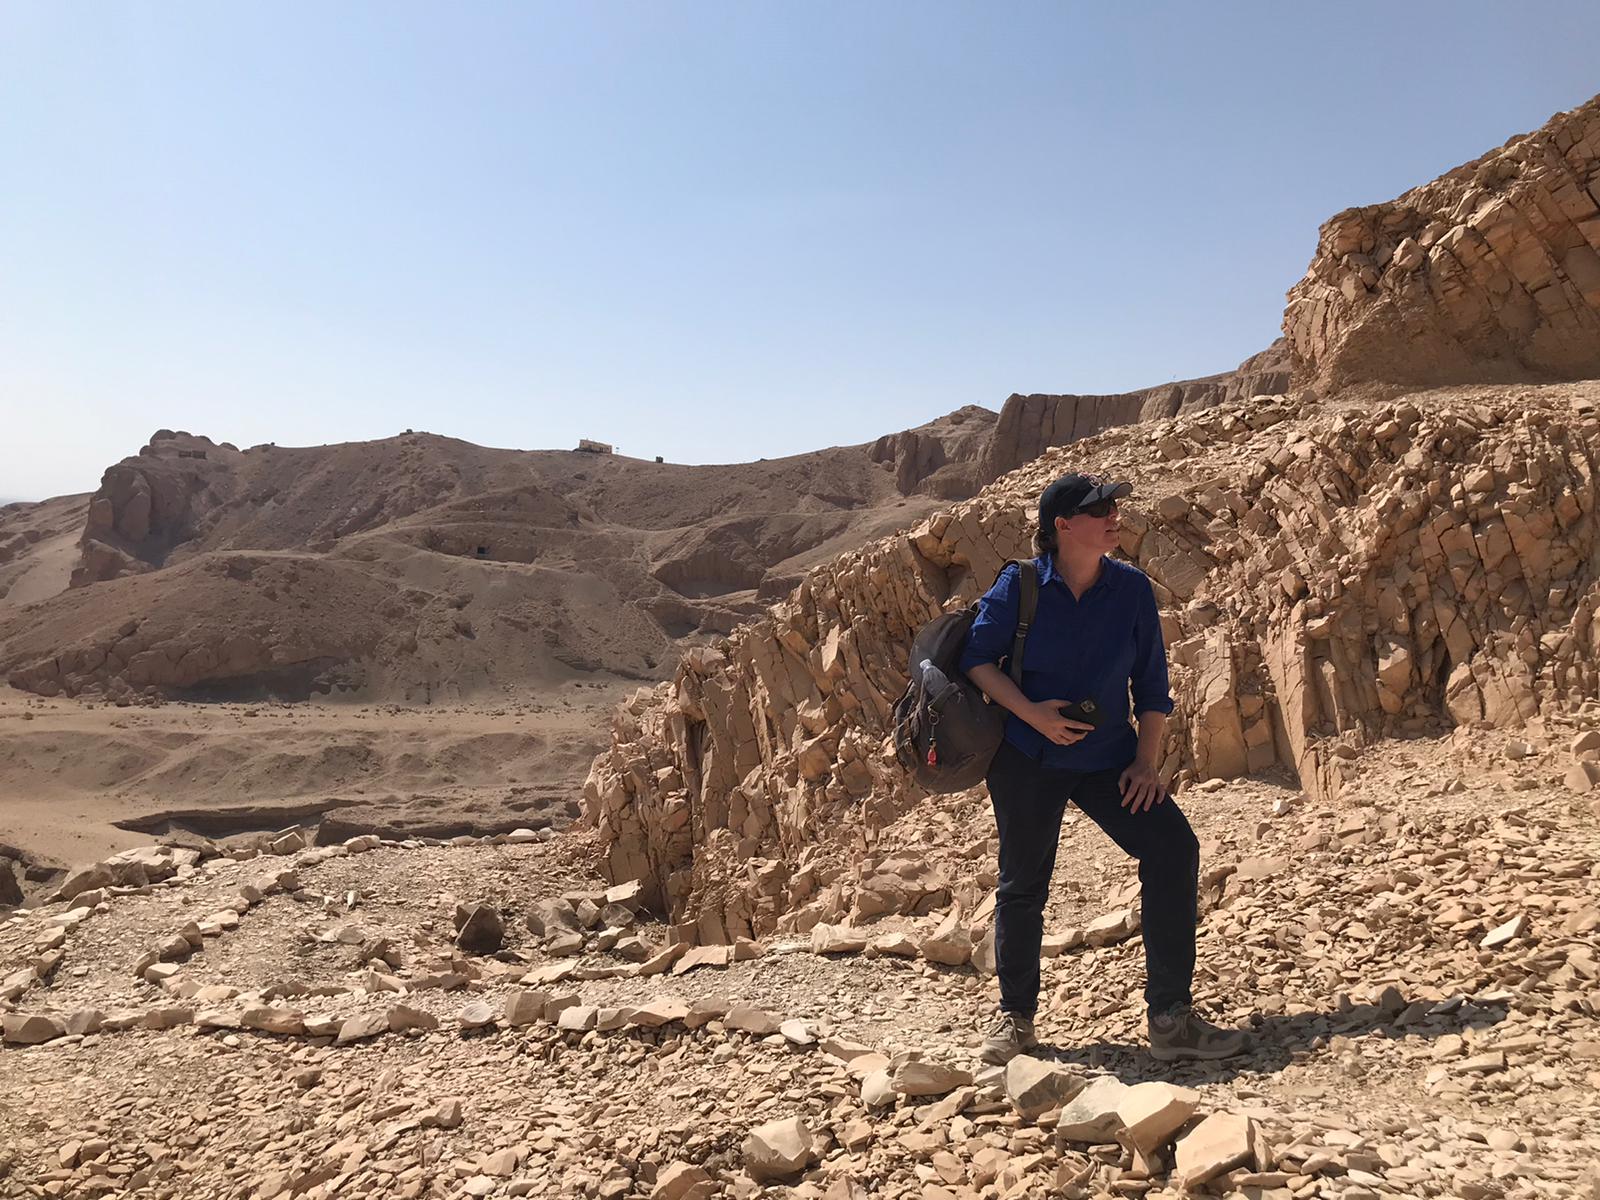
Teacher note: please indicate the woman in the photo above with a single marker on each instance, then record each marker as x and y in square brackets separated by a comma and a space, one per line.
[1095, 632]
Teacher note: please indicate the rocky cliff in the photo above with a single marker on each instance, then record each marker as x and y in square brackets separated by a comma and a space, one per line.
[1030, 425]
[1327, 577]
[1491, 272]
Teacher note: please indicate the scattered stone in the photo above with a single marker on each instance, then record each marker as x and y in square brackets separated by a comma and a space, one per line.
[1035, 1086]
[1219, 1143]
[917, 1077]
[480, 929]
[779, 1149]
[1152, 1112]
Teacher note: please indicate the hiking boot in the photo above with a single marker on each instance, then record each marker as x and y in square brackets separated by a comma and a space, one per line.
[1007, 1035]
[1179, 1034]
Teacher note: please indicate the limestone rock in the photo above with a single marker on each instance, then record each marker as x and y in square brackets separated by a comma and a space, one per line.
[682, 1181]
[837, 939]
[552, 916]
[479, 929]
[1457, 282]
[524, 1006]
[949, 943]
[30, 1029]
[402, 1017]
[779, 1149]
[1035, 1086]
[1152, 1112]
[916, 1077]
[1219, 1143]
[361, 1027]
[751, 1020]
[476, 1015]
[1091, 1116]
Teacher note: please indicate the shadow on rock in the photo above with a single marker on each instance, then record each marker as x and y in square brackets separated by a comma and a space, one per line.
[1280, 1040]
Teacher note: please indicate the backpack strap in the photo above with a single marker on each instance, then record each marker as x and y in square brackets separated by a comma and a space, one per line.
[1029, 603]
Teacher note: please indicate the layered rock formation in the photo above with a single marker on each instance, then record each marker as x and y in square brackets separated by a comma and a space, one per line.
[1491, 272]
[1030, 425]
[1327, 578]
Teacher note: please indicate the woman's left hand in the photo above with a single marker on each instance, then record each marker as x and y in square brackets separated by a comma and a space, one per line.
[1141, 787]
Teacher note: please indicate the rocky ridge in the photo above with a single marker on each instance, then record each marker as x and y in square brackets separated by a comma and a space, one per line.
[1490, 272]
[1030, 425]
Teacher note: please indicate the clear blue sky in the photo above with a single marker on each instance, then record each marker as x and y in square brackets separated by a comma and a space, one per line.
[710, 231]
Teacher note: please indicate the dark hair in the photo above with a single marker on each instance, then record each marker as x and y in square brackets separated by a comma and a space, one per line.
[1044, 540]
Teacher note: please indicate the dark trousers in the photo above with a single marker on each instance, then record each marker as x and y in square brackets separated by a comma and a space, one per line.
[1029, 802]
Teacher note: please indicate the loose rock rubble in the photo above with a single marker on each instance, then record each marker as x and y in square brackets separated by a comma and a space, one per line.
[1398, 1056]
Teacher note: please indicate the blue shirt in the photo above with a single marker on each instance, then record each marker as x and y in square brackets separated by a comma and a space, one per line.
[1091, 647]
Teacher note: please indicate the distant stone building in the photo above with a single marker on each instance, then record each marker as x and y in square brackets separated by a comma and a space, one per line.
[594, 447]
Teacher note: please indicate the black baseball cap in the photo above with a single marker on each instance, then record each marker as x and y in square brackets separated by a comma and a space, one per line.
[1072, 493]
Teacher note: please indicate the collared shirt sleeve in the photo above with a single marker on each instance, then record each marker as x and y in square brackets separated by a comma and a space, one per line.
[996, 626]
[1151, 690]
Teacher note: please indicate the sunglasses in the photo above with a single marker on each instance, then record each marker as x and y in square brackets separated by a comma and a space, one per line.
[1099, 509]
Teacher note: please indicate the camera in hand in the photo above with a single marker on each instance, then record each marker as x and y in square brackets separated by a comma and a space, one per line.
[1085, 711]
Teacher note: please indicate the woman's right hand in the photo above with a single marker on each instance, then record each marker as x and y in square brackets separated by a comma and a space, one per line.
[1045, 716]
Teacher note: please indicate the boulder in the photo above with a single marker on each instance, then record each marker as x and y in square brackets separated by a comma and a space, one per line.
[479, 929]
[1091, 1116]
[779, 1149]
[1219, 1143]
[751, 1020]
[1152, 1112]
[1035, 1086]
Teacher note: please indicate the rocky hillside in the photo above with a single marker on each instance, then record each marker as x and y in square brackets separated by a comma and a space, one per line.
[1328, 578]
[1491, 272]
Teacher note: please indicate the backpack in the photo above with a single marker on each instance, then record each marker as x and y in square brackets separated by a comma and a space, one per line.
[945, 729]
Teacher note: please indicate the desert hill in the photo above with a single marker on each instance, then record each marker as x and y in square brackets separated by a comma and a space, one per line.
[423, 568]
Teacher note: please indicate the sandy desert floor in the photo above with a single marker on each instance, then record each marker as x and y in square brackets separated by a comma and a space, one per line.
[79, 780]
